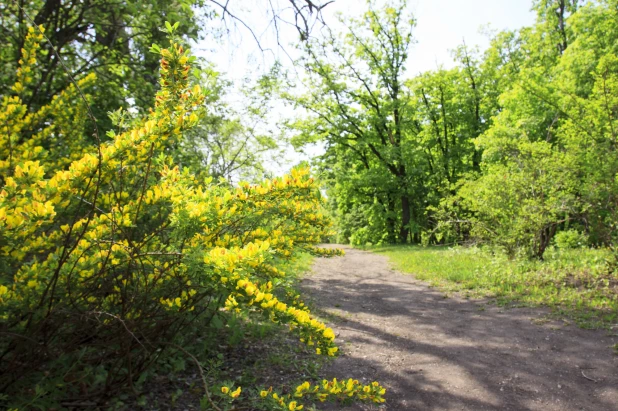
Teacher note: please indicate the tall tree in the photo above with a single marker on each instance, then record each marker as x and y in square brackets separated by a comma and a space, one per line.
[451, 108]
[357, 98]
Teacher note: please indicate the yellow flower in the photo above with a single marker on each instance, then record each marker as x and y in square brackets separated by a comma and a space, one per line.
[263, 394]
[225, 389]
[329, 334]
[236, 393]
[292, 406]
[301, 389]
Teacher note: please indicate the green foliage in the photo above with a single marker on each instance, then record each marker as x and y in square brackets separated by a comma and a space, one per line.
[570, 239]
[508, 148]
[395, 146]
[519, 202]
[548, 156]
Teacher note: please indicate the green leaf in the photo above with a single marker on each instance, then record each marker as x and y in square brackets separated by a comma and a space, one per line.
[155, 48]
[216, 323]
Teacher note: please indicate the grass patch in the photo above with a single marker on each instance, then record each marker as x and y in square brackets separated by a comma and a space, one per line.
[577, 283]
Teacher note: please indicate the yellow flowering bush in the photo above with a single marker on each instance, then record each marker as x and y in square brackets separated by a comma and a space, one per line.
[109, 252]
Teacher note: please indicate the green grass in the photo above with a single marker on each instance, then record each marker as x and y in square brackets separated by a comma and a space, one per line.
[578, 283]
[298, 266]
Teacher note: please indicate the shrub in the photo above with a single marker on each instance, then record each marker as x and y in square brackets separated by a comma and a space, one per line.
[111, 253]
[570, 239]
[519, 202]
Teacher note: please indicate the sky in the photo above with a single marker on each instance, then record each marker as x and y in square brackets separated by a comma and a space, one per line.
[441, 26]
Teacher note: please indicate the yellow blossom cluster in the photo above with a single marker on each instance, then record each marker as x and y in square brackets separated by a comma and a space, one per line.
[346, 390]
[311, 331]
[53, 130]
[28, 58]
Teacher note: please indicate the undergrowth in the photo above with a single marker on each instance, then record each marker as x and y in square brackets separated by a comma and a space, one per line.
[243, 352]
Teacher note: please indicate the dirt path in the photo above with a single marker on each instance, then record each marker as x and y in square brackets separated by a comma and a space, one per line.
[436, 353]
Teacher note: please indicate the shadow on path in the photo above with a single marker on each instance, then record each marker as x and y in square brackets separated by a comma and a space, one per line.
[436, 353]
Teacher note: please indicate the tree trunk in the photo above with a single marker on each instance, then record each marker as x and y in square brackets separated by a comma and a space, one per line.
[545, 236]
[405, 219]
[391, 221]
[561, 14]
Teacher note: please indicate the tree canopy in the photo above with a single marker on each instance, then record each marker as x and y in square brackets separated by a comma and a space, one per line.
[509, 147]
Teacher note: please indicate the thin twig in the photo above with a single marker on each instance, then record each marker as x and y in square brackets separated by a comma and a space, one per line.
[83, 404]
[124, 324]
[588, 378]
[200, 368]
